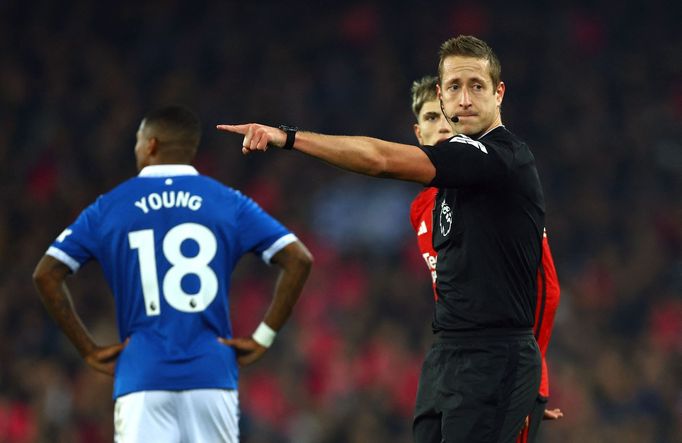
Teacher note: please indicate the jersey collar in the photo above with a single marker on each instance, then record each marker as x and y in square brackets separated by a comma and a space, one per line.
[489, 131]
[167, 170]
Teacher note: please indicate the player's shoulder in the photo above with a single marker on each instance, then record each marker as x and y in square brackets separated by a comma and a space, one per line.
[201, 185]
[425, 198]
[422, 202]
[219, 190]
[114, 194]
[120, 192]
[146, 183]
[225, 191]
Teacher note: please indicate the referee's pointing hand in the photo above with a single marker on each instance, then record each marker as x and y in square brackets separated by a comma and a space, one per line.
[257, 137]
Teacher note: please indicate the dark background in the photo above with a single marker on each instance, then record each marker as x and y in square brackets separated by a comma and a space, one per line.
[596, 90]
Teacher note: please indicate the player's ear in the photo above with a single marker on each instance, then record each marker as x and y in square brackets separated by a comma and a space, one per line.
[438, 94]
[418, 133]
[152, 146]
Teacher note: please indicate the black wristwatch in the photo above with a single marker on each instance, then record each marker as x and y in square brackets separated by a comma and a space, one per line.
[291, 135]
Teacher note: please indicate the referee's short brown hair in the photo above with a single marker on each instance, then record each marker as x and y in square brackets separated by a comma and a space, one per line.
[470, 46]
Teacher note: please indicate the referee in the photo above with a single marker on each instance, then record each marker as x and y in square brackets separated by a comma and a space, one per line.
[481, 377]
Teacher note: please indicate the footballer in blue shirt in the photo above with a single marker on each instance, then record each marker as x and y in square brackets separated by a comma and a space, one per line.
[167, 241]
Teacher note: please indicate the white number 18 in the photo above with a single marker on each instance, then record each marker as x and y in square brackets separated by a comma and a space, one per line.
[182, 265]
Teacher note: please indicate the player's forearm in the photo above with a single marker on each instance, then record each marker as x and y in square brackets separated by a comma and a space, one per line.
[296, 262]
[60, 308]
[55, 296]
[364, 155]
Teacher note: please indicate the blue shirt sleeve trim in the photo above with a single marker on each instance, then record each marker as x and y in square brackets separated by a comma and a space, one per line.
[278, 246]
[64, 258]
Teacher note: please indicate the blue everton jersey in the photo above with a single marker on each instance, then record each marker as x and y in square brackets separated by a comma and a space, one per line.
[167, 241]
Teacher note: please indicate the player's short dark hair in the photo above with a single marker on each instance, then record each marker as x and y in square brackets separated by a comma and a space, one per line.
[470, 46]
[175, 124]
[423, 90]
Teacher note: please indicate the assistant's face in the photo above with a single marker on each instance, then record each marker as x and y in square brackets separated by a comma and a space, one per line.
[432, 127]
[467, 92]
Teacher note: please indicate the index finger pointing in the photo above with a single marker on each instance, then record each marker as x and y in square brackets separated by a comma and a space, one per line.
[239, 129]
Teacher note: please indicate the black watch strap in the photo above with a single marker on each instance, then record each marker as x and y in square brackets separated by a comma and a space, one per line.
[291, 135]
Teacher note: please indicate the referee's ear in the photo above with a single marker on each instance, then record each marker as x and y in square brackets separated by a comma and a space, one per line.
[499, 93]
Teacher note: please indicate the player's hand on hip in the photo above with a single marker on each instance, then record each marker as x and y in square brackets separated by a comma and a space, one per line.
[248, 351]
[103, 358]
[257, 137]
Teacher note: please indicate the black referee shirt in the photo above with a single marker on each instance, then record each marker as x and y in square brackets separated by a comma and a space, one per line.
[487, 231]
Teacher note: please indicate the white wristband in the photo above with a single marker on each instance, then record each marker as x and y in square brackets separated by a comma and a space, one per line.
[264, 335]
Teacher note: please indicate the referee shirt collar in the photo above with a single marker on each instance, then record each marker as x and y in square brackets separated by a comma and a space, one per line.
[489, 131]
[167, 170]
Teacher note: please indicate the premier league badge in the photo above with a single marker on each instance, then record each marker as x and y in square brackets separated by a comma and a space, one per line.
[445, 219]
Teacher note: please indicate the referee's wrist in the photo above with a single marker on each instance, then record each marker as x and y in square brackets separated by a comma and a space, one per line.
[264, 335]
[291, 136]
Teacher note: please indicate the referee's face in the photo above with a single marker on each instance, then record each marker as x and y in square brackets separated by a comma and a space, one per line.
[467, 92]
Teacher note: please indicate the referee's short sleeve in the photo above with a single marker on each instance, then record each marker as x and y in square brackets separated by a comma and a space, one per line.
[462, 162]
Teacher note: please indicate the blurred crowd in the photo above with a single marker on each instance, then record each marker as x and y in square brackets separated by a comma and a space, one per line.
[595, 90]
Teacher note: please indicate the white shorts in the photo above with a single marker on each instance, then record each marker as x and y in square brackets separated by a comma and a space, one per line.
[197, 415]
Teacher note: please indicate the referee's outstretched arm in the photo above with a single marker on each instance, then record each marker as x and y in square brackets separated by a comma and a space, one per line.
[364, 155]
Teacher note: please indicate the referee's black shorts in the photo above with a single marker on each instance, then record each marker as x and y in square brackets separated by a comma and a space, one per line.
[477, 387]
